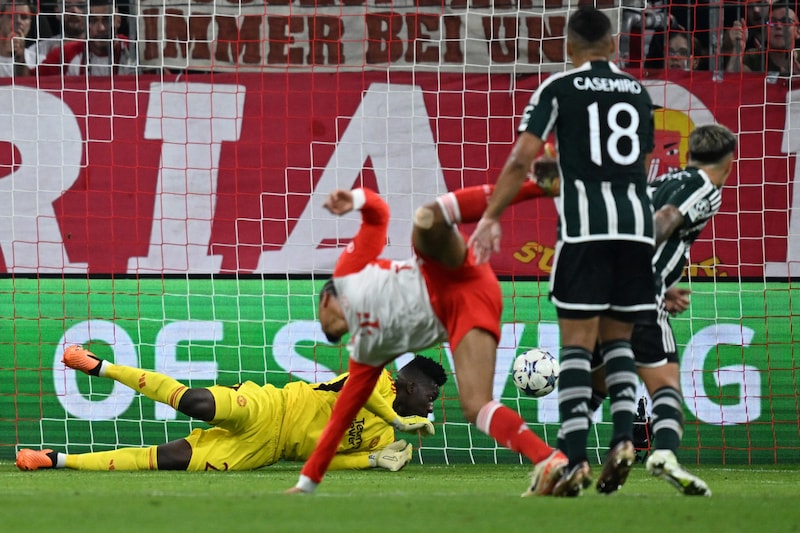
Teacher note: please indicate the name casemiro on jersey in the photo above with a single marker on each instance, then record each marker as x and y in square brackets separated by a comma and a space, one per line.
[607, 85]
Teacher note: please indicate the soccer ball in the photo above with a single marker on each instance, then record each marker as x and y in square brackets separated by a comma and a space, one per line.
[535, 372]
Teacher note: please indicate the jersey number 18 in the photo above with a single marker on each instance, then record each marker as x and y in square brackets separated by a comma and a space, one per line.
[618, 132]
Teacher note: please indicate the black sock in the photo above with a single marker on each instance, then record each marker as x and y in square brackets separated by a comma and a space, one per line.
[667, 420]
[574, 395]
[96, 370]
[621, 386]
[53, 456]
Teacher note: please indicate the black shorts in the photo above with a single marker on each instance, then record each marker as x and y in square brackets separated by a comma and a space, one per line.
[610, 278]
[653, 343]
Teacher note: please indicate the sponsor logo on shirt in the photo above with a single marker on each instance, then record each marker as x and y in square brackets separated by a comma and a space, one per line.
[354, 438]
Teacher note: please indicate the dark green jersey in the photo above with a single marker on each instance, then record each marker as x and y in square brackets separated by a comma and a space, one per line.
[603, 122]
[698, 200]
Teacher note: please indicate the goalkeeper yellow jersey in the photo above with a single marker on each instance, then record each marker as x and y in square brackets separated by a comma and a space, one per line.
[308, 408]
[258, 425]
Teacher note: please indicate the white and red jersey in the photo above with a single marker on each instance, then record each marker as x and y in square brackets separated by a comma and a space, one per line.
[386, 303]
[74, 58]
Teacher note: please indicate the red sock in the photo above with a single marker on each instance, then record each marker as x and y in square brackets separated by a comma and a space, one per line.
[468, 204]
[509, 429]
[354, 395]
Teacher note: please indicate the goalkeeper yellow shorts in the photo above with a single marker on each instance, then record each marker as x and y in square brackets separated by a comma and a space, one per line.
[248, 423]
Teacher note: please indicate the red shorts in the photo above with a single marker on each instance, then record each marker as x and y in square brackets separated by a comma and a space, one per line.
[464, 298]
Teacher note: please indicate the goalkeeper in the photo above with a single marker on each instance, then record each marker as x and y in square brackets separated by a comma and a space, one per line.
[256, 426]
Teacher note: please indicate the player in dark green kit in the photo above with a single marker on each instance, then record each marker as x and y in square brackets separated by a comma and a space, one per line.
[685, 201]
[602, 278]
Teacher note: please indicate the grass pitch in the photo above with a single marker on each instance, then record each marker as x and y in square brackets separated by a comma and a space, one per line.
[459, 498]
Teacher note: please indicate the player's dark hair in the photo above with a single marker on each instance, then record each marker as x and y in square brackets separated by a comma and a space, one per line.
[427, 367]
[328, 288]
[589, 24]
[710, 144]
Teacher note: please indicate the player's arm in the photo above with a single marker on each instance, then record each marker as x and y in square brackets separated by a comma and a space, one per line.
[368, 243]
[667, 219]
[687, 204]
[350, 461]
[380, 400]
[393, 458]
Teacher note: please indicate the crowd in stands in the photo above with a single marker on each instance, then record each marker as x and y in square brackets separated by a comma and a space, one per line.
[743, 36]
[89, 37]
[78, 37]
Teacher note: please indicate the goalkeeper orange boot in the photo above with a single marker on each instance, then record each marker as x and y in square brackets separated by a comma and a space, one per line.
[79, 358]
[546, 473]
[616, 467]
[28, 459]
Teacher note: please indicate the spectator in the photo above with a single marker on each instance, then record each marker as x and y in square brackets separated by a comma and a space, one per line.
[15, 25]
[71, 17]
[778, 56]
[682, 51]
[755, 17]
[104, 51]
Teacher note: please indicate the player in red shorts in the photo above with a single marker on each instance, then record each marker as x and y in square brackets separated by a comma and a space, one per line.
[393, 307]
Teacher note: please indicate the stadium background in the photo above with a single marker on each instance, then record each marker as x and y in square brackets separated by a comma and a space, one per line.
[173, 219]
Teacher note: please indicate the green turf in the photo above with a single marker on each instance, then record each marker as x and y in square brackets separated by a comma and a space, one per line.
[419, 498]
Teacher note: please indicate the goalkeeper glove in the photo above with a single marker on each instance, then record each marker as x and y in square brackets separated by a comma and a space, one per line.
[410, 424]
[394, 457]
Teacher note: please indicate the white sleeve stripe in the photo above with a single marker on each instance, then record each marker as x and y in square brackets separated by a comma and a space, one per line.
[359, 199]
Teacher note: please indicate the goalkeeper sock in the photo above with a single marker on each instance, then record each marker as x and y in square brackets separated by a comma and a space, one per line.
[155, 386]
[509, 429]
[122, 459]
[354, 395]
[574, 394]
[667, 420]
[621, 385]
[57, 458]
[468, 204]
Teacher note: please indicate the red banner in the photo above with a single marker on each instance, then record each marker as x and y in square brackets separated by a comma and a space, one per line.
[226, 173]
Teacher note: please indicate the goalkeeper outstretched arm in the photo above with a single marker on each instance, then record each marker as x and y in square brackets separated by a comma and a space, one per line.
[393, 457]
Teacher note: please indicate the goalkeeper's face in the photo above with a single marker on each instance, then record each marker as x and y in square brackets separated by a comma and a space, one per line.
[331, 318]
[415, 395]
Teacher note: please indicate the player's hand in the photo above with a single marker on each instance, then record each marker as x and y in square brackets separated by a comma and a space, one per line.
[677, 300]
[339, 202]
[295, 490]
[394, 457]
[485, 239]
[411, 424]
